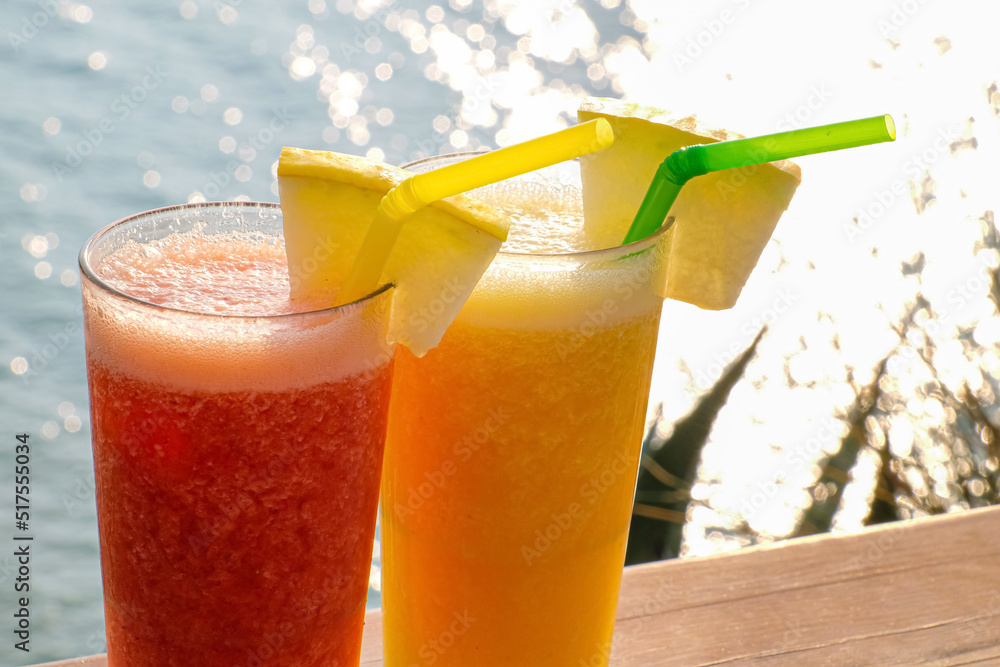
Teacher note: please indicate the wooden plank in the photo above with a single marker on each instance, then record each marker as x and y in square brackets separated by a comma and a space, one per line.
[924, 592]
[371, 642]
[371, 647]
[92, 661]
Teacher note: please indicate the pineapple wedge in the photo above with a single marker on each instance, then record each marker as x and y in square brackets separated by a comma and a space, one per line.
[328, 201]
[723, 219]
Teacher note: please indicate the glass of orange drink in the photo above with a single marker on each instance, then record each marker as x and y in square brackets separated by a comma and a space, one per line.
[513, 446]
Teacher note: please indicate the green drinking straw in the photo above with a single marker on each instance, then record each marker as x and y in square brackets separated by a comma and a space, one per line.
[686, 163]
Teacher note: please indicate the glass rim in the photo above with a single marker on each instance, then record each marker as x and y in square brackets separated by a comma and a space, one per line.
[91, 243]
[595, 255]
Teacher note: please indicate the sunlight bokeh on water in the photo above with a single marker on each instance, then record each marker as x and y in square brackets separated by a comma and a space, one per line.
[115, 108]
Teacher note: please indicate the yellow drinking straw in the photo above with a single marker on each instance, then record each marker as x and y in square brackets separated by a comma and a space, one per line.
[418, 191]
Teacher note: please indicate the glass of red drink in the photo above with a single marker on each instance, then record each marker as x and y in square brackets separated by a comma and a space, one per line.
[237, 443]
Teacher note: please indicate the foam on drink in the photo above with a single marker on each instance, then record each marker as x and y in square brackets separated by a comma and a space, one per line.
[224, 283]
[214, 276]
[545, 218]
[566, 273]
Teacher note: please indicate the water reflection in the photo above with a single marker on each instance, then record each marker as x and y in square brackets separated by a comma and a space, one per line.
[888, 255]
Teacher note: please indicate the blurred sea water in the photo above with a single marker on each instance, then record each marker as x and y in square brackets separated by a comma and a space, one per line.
[107, 109]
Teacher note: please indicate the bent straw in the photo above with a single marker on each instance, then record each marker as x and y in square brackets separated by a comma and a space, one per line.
[686, 163]
[418, 191]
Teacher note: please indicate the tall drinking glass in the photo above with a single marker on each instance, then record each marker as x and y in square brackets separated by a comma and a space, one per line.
[513, 447]
[237, 444]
